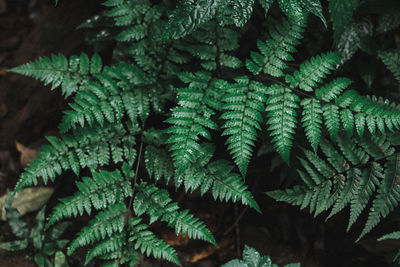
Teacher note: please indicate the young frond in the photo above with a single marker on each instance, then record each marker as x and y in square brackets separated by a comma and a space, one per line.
[243, 105]
[159, 206]
[149, 244]
[87, 147]
[101, 190]
[104, 224]
[192, 117]
[276, 50]
[312, 71]
[282, 118]
[57, 70]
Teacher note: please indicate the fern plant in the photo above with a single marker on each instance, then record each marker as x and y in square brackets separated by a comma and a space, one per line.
[252, 258]
[47, 245]
[121, 128]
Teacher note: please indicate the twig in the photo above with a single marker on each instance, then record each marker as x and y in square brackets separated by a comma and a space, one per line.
[238, 218]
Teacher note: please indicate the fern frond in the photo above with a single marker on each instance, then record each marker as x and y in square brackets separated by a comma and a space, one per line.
[339, 180]
[312, 71]
[312, 120]
[112, 244]
[192, 117]
[282, 118]
[148, 244]
[188, 15]
[388, 195]
[392, 61]
[103, 189]
[212, 44]
[218, 177]
[362, 195]
[341, 14]
[227, 185]
[57, 70]
[332, 120]
[332, 90]
[87, 147]
[266, 4]
[243, 105]
[241, 11]
[104, 224]
[314, 7]
[107, 100]
[276, 50]
[292, 9]
[393, 235]
[159, 206]
[158, 163]
[389, 21]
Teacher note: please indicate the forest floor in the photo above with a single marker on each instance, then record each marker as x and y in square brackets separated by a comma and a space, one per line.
[30, 111]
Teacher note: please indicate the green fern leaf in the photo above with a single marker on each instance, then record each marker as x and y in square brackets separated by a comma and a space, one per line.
[312, 120]
[313, 71]
[112, 244]
[266, 4]
[242, 112]
[392, 61]
[87, 147]
[348, 191]
[369, 181]
[278, 49]
[58, 71]
[159, 206]
[388, 195]
[333, 89]
[106, 101]
[341, 14]
[213, 44]
[158, 163]
[105, 224]
[314, 7]
[292, 9]
[281, 105]
[149, 244]
[347, 119]
[218, 177]
[188, 15]
[242, 10]
[393, 235]
[102, 190]
[192, 117]
[389, 21]
[332, 120]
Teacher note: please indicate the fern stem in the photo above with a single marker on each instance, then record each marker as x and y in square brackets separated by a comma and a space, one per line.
[136, 175]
